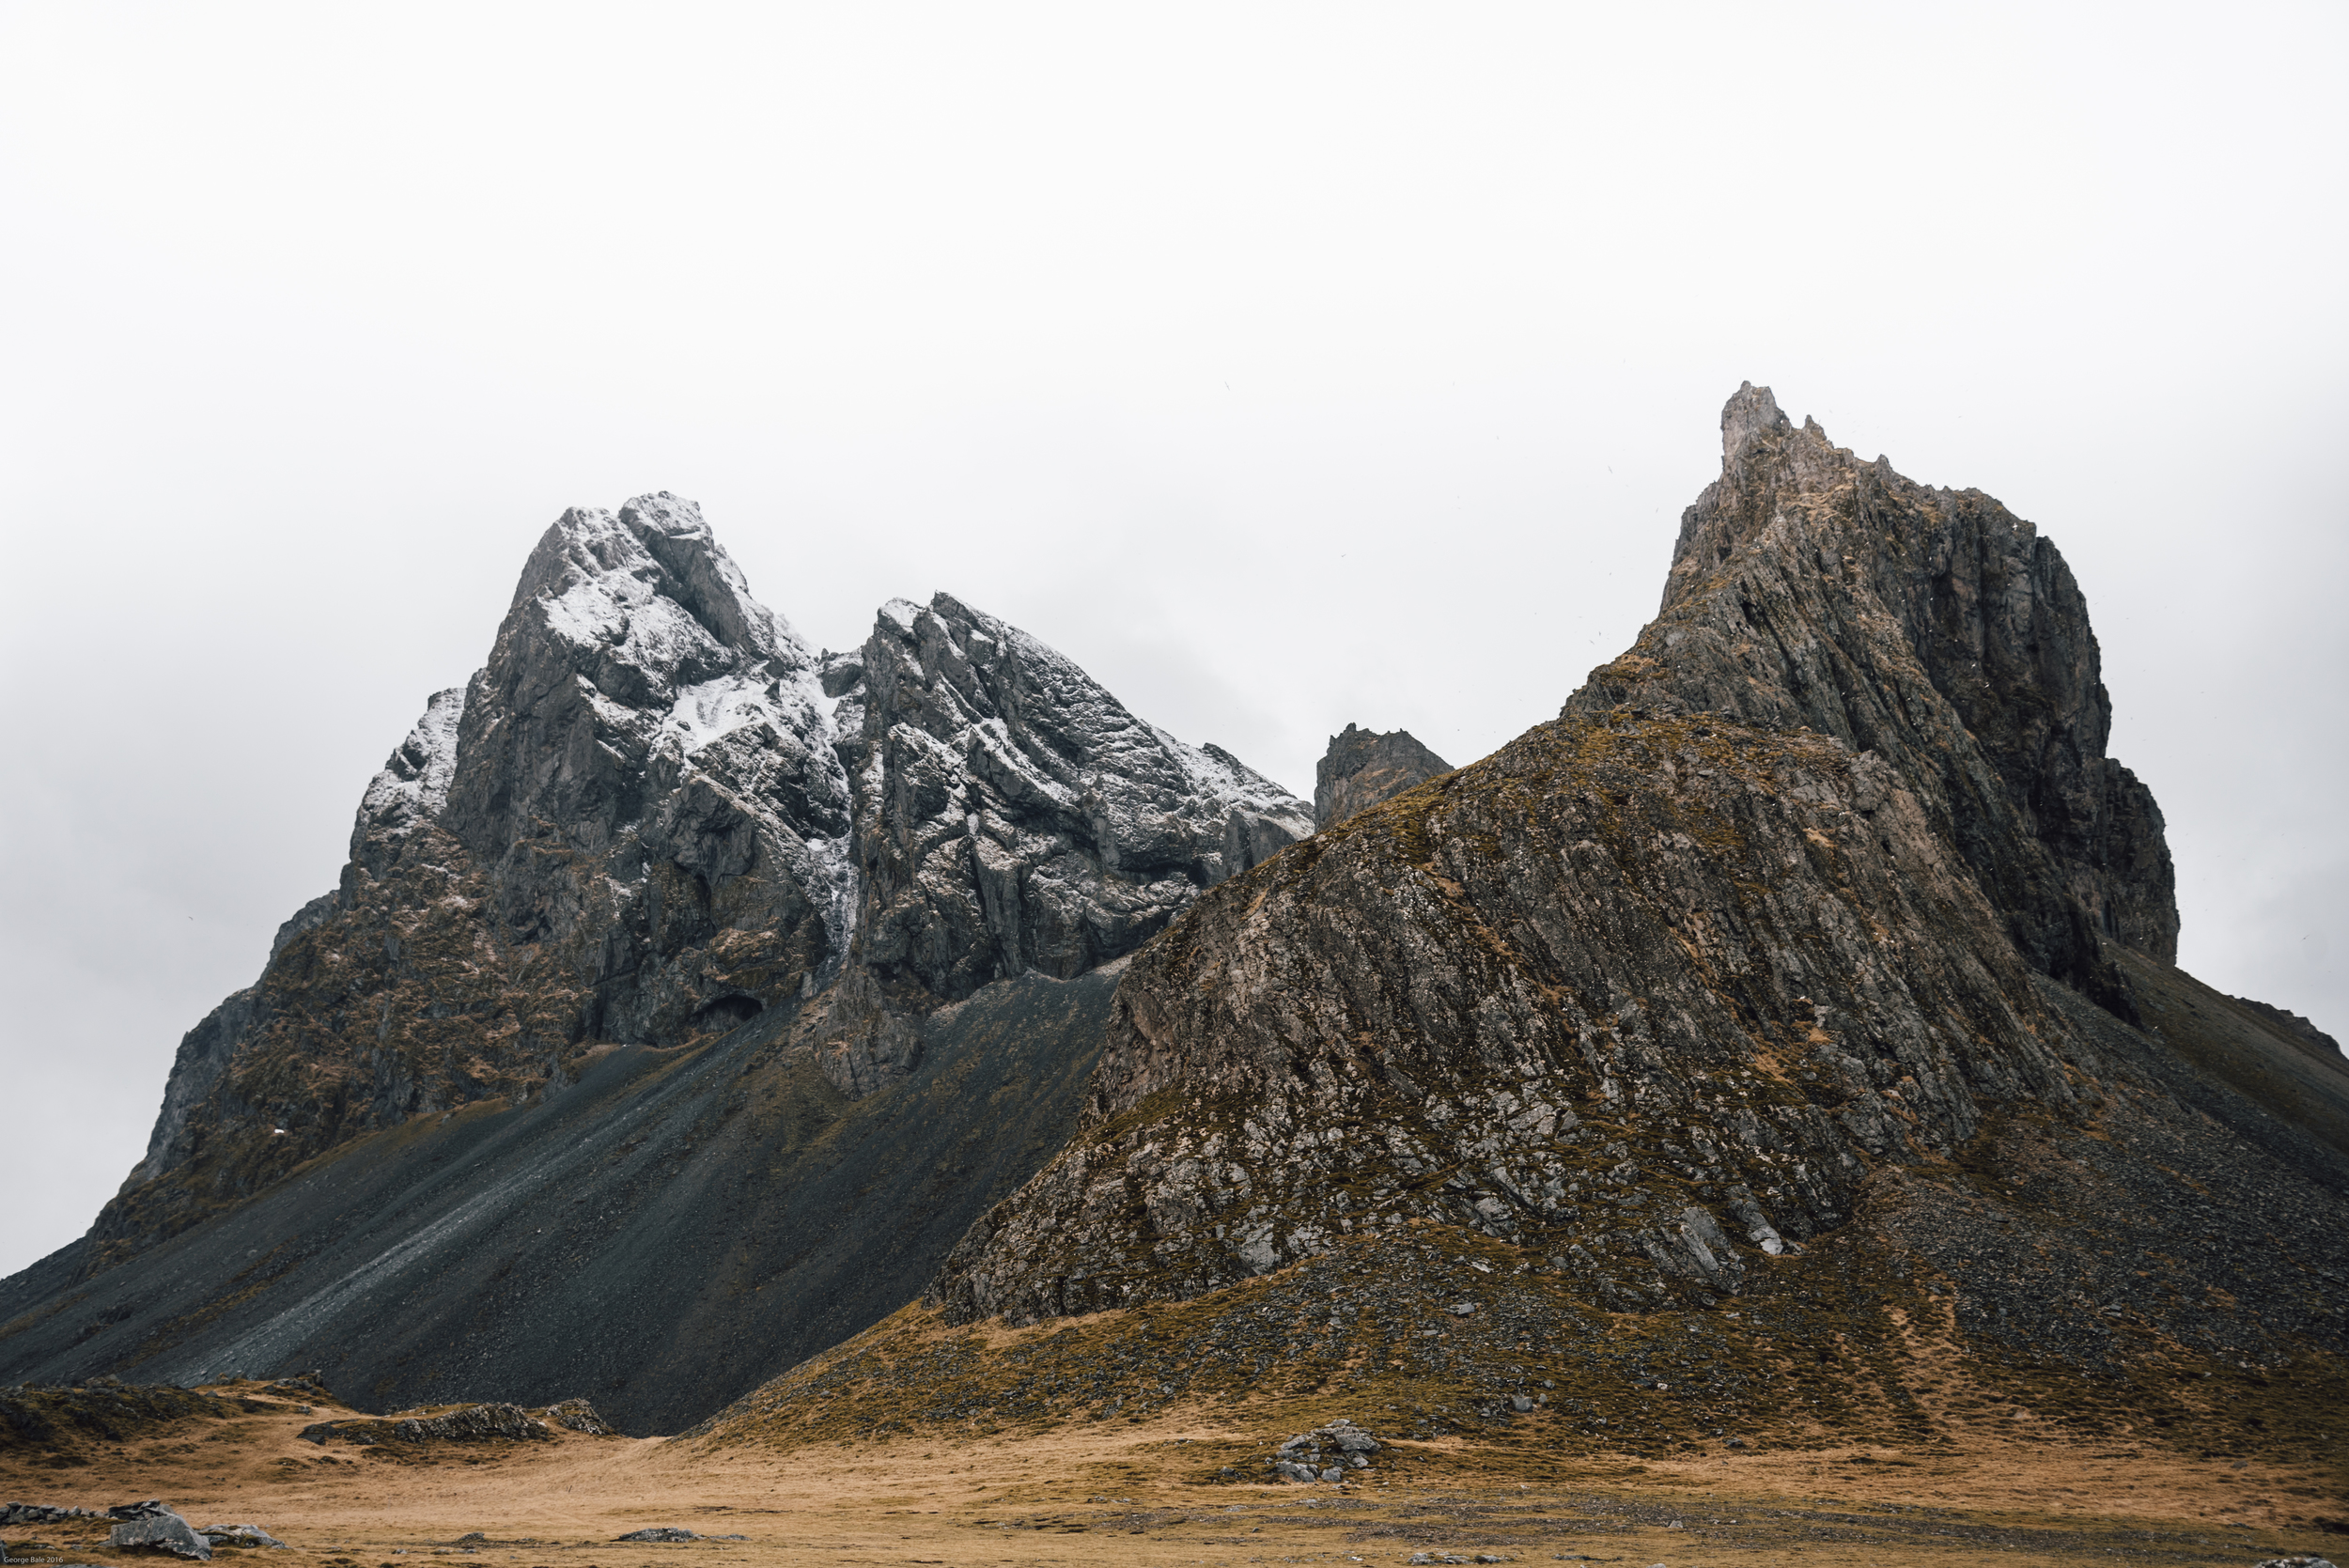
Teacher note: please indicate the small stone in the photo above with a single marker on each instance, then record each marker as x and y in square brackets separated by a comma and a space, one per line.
[1521, 1403]
[658, 1532]
[238, 1535]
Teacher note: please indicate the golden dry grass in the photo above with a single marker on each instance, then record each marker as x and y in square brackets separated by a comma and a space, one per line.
[1141, 1492]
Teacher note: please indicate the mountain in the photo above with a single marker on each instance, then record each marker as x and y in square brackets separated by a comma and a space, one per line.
[1363, 768]
[658, 858]
[1786, 1037]
[1818, 929]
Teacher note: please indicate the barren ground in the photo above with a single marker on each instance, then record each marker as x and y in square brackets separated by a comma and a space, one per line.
[1140, 1492]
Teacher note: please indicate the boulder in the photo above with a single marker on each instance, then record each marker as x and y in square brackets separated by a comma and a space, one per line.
[162, 1530]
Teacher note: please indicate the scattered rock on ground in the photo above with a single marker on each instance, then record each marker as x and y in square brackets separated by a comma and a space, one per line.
[472, 1424]
[577, 1415]
[1324, 1454]
[658, 1532]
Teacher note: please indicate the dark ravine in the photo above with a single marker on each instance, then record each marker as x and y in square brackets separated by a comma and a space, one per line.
[1825, 893]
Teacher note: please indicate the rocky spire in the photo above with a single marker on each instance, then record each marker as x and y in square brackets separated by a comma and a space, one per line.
[1936, 630]
[1363, 768]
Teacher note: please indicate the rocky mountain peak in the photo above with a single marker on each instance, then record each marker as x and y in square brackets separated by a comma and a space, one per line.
[1012, 815]
[1751, 413]
[1936, 630]
[412, 786]
[654, 814]
[1361, 768]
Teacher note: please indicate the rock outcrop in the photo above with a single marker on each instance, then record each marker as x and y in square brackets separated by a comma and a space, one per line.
[1805, 891]
[1363, 768]
[1937, 631]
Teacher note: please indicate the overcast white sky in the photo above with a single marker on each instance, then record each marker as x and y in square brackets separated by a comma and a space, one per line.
[1284, 364]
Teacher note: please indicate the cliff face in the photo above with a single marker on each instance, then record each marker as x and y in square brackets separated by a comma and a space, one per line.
[1936, 630]
[1363, 768]
[1775, 910]
[653, 815]
[1011, 816]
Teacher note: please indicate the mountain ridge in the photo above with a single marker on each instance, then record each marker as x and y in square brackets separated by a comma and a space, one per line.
[1784, 909]
[1815, 948]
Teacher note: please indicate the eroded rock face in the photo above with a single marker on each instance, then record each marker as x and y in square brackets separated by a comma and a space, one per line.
[1936, 630]
[654, 814]
[1011, 816]
[1659, 988]
[1363, 768]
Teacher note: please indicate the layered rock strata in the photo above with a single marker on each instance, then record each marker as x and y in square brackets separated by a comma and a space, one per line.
[1363, 768]
[1803, 891]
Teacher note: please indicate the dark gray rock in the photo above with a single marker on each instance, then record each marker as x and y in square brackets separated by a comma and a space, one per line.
[658, 1532]
[636, 825]
[647, 1194]
[630, 827]
[2292, 1026]
[577, 1415]
[1324, 1454]
[160, 1531]
[1363, 768]
[1938, 632]
[218, 1536]
[1011, 816]
[473, 1424]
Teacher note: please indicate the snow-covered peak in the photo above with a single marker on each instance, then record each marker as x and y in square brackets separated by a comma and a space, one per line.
[705, 579]
[413, 784]
[653, 600]
[1017, 705]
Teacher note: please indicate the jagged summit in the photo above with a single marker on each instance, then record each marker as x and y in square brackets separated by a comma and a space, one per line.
[1012, 815]
[1363, 768]
[1936, 630]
